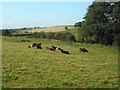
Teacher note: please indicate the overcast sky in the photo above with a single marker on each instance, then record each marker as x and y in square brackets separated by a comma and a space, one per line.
[34, 14]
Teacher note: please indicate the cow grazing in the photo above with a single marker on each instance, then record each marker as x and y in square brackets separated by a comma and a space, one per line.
[52, 49]
[34, 44]
[39, 46]
[83, 50]
[29, 46]
[63, 51]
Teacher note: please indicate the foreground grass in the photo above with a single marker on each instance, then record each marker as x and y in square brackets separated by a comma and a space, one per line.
[29, 67]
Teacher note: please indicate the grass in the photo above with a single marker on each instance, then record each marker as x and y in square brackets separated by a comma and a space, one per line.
[24, 67]
[48, 29]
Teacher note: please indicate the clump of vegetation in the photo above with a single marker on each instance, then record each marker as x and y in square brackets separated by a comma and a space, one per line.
[101, 23]
[66, 27]
[7, 32]
[25, 40]
[58, 36]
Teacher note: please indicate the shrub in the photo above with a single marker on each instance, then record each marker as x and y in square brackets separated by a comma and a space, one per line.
[70, 38]
[66, 27]
[42, 35]
[50, 35]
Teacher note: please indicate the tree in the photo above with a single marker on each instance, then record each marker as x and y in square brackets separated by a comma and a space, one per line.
[66, 27]
[101, 22]
[6, 32]
[78, 24]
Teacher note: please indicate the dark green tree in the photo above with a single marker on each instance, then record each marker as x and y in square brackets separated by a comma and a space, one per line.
[6, 32]
[101, 22]
[66, 27]
[78, 24]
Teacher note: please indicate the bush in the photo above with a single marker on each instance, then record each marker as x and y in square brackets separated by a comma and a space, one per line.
[50, 35]
[36, 35]
[62, 36]
[42, 35]
[70, 38]
[6, 32]
[66, 27]
[23, 40]
[58, 36]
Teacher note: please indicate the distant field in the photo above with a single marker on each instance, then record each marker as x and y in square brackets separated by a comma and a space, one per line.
[24, 67]
[49, 29]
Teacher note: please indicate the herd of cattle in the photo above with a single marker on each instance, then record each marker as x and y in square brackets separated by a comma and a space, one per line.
[53, 48]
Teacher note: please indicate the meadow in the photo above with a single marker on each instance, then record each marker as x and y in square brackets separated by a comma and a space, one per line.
[24, 67]
[47, 29]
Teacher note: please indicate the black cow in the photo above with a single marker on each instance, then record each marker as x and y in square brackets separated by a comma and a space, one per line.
[63, 51]
[54, 47]
[83, 50]
[39, 46]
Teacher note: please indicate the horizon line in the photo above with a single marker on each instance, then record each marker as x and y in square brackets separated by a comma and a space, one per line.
[38, 27]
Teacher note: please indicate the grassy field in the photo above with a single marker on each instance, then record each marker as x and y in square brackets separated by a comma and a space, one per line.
[48, 29]
[24, 67]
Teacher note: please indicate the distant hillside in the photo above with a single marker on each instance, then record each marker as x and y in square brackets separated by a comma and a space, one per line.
[48, 29]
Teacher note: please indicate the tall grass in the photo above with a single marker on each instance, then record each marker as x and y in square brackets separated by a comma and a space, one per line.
[24, 67]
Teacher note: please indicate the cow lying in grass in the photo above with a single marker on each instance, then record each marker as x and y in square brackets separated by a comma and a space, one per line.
[83, 50]
[37, 45]
[63, 51]
[34, 44]
[49, 48]
[29, 46]
[54, 47]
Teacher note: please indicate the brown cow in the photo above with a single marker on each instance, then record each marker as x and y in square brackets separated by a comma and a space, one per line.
[29, 46]
[52, 49]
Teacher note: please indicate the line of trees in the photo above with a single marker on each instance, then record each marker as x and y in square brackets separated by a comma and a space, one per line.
[7, 32]
[101, 24]
[49, 35]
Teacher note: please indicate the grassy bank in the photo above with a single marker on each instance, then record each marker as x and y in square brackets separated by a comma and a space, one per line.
[30, 67]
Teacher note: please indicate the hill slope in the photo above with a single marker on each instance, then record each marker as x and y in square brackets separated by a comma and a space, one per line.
[30, 67]
[49, 29]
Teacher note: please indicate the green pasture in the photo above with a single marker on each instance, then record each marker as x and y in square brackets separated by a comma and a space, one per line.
[24, 67]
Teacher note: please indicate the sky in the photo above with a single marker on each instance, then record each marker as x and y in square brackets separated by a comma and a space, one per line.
[41, 14]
